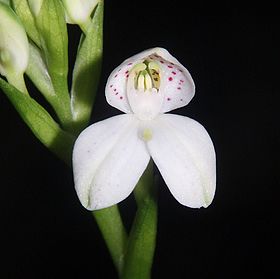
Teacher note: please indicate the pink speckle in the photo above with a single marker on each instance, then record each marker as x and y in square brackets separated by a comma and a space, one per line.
[156, 56]
[111, 85]
[180, 70]
[129, 64]
[174, 73]
[181, 80]
[169, 66]
[116, 93]
[162, 62]
[179, 88]
[170, 78]
[181, 100]
[172, 63]
[121, 97]
[115, 75]
[168, 99]
[115, 89]
[127, 75]
[127, 72]
[119, 69]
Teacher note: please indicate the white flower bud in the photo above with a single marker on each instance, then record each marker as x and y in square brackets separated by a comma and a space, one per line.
[79, 11]
[35, 6]
[14, 49]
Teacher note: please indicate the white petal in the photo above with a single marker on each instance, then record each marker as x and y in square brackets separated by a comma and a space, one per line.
[116, 87]
[108, 160]
[176, 83]
[184, 154]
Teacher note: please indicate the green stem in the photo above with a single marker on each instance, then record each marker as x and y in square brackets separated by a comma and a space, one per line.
[111, 226]
[142, 238]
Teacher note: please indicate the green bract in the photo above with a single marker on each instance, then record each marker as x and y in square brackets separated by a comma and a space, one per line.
[87, 70]
[23, 11]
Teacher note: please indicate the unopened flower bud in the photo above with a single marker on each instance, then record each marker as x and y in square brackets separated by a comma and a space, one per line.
[14, 49]
[79, 11]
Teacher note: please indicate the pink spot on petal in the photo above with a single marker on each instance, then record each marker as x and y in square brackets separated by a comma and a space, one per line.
[180, 70]
[168, 99]
[115, 89]
[116, 93]
[170, 78]
[174, 73]
[169, 66]
[179, 88]
[115, 75]
[172, 63]
[121, 97]
[129, 64]
[127, 72]
[162, 62]
[181, 100]
[127, 76]
[181, 80]
[111, 85]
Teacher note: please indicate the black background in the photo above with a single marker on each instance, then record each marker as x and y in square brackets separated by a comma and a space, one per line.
[232, 53]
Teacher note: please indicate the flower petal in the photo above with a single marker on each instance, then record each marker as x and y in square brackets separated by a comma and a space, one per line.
[108, 160]
[184, 154]
[176, 83]
[116, 87]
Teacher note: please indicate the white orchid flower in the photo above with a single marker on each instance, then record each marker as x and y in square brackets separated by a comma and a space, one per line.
[110, 156]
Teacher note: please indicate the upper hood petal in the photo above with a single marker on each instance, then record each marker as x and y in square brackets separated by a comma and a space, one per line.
[176, 82]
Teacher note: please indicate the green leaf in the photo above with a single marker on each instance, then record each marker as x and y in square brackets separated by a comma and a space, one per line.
[40, 122]
[87, 70]
[21, 7]
[54, 43]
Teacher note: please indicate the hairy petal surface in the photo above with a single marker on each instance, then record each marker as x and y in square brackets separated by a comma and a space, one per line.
[109, 158]
[184, 154]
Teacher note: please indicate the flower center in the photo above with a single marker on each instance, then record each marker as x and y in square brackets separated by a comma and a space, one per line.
[143, 90]
[146, 76]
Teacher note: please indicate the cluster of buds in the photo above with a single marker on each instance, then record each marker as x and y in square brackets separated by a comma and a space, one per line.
[14, 46]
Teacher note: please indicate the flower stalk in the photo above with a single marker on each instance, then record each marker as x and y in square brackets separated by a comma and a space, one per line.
[142, 238]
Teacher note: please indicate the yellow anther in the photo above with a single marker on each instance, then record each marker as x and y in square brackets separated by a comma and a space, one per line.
[141, 82]
[148, 82]
[153, 66]
[146, 75]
